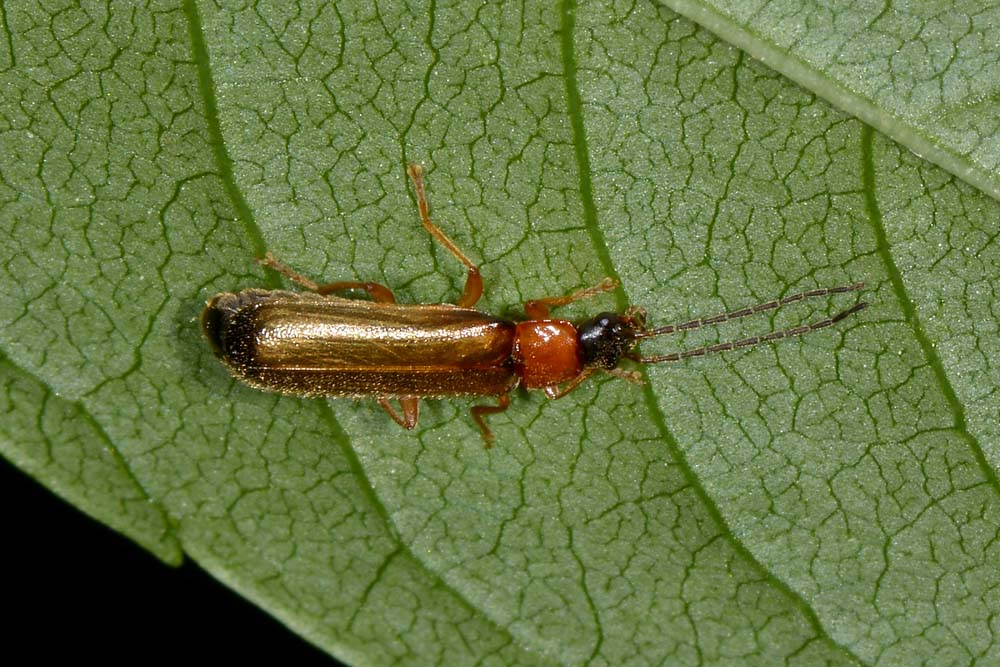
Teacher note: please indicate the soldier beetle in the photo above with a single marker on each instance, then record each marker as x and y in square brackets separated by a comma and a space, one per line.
[317, 344]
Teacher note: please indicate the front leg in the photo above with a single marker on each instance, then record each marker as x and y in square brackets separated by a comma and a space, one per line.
[555, 392]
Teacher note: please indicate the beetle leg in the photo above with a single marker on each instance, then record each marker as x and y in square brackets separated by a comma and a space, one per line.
[270, 262]
[503, 402]
[632, 376]
[538, 309]
[473, 281]
[379, 293]
[554, 391]
[409, 406]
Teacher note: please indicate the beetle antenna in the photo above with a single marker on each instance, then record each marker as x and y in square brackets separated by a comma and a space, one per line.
[753, 340]
[746, 312]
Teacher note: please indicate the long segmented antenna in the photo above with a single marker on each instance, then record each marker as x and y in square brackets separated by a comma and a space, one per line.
[753, 340]
[753, 310]
[746, 312]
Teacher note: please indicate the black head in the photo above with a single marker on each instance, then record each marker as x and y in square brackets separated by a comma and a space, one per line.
[605, 338]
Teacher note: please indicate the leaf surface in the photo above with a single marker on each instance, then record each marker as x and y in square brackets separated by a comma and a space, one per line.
[830, 499]
[925, 74]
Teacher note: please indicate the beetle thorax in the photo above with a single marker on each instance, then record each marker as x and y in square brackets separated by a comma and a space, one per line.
[546, 353]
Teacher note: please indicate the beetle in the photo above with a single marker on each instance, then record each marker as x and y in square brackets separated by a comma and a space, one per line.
[316, 344]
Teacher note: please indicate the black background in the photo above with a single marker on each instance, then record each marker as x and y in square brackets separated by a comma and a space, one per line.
[74, 589]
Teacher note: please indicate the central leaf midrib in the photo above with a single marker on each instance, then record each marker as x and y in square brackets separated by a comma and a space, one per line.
[223, 161]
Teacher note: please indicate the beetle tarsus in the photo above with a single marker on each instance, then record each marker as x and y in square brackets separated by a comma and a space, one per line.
[478, 411]
[410, 408]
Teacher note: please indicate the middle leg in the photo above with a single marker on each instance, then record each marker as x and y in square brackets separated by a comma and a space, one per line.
[473, 281]
[503, 402]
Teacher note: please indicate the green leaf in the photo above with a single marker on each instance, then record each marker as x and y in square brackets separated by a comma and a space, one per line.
[925, 74]
[60, 445]
[830, 499]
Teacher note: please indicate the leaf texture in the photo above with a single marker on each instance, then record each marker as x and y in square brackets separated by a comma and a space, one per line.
[830, 499]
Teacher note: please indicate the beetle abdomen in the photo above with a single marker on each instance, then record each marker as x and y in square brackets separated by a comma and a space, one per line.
[312, 345]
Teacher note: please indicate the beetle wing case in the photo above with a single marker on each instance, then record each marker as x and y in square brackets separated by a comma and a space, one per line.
[308, 344]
